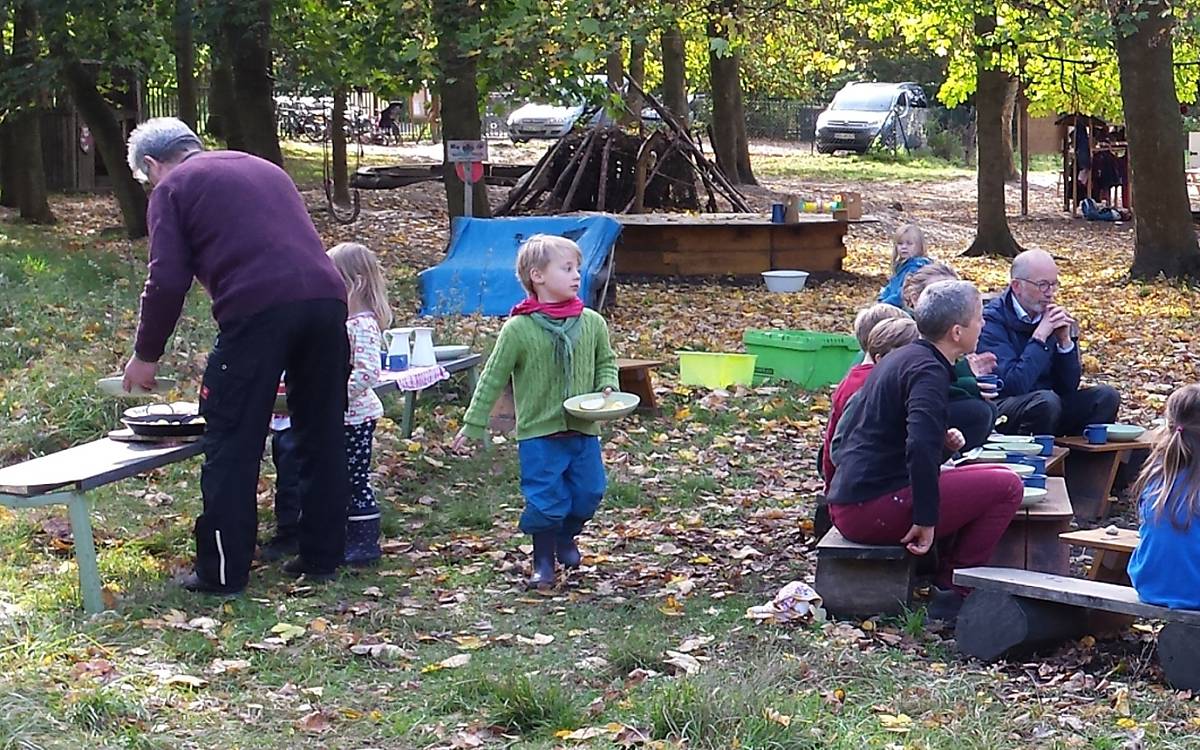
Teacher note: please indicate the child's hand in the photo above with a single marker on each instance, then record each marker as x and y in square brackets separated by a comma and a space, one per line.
[460, 440]
[954, 440]
[608, 391]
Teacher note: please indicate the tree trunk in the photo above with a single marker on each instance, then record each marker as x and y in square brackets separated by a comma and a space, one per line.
[729, 116]
[1006, 127]
[185, 61]
[674, 71]
[10, 175]
[637, 71]
[247, 29]
[26, 130]
[992, 235]
[459, 95]
[223, 119]
[341, 179]
[109, 140]
[1164, 236]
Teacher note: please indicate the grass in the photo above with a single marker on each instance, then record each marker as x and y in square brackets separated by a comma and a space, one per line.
[872, 166]
[305, 162]
[166, 669]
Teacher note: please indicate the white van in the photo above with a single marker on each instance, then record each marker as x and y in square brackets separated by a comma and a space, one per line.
[894, 113]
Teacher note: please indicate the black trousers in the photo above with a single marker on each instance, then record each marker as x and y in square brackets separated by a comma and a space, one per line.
[974, 417]
[308, 340]
[287, 484]
[1047, 413]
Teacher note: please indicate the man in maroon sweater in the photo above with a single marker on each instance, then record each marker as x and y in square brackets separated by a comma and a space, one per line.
[236, 223]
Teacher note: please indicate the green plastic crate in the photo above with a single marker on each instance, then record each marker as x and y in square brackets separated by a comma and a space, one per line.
[811, 358]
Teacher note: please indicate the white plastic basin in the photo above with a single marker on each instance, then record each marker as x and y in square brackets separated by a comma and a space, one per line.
[785, 281]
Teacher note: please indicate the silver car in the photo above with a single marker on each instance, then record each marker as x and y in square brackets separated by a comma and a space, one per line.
[860, 113]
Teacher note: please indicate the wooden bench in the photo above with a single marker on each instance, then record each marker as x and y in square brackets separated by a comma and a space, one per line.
[1020, 610]
[1031, 541]
[64, 478]
[1110, 552]
[636, 376]
[863, 580]
[1091, 471]
[1056, 461]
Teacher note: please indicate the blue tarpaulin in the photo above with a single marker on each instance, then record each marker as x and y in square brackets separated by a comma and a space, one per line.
[479, 272]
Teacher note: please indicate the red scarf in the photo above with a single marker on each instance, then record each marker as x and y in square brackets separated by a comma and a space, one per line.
[571, 308]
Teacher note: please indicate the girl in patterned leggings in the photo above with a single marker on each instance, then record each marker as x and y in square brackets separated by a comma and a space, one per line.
[366, 293]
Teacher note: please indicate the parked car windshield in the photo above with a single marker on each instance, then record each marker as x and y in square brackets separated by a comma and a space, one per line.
[863, 100]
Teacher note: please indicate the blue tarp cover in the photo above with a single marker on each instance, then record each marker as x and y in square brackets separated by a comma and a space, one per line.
[479, 272]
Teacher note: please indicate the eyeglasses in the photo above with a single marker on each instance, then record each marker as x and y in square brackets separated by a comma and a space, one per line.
[1045, 287]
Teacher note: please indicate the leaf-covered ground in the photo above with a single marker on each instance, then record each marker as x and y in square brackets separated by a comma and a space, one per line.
[441, 647]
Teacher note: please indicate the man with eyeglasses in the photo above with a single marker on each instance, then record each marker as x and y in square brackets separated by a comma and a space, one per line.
[1037, 356]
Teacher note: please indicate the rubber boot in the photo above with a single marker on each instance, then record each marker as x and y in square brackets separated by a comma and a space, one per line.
[567, 551]
[543, 561]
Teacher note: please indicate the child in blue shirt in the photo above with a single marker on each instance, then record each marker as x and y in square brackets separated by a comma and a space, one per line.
[1165, 567]
[908, 254]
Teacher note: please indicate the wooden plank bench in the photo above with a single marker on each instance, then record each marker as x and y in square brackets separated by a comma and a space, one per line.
[1091, 471]
[1012, 611]
[863, 580]
[64, 478]
[1110, 552]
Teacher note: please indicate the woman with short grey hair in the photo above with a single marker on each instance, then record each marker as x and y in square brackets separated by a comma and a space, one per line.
[889, 487]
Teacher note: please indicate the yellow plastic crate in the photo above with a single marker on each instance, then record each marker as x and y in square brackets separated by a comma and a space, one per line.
[716, 369]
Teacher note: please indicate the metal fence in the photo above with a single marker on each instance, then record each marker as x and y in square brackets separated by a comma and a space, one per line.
[164, 102]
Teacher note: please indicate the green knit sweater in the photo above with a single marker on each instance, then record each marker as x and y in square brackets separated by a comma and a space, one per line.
[524, 352]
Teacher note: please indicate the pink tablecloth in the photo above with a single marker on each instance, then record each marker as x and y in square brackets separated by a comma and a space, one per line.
[414, 378]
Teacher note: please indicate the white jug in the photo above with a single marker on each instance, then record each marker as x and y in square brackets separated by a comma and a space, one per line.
[422, 350]
[398, 353]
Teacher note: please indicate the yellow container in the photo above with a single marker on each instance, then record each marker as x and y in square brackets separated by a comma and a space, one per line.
[716, 369]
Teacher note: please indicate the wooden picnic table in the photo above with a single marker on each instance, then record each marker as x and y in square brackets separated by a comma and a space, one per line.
[65, 477]
[1056, 461]
[469, 364]
[1031, 541]
[1110, 552]
[1091, 471]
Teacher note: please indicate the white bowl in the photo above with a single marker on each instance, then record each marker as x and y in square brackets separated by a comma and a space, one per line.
[596, 407]
[1022, 470]
[1025, 449]
[113, 387]
[1033, 496]
[785, 281]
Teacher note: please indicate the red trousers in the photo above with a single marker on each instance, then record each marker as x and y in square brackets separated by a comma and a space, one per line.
[977, 503]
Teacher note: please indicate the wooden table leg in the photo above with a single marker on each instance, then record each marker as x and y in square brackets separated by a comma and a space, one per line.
[85, 553]
[1090, 478]
[410, 410]
[638, 381]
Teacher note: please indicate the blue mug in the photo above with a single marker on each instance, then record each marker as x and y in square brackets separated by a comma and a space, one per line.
[383, 358]
[1037, 462]
[1035, 480]
[1047, 443]
[778, 213]
[397, 362]
[1096, 434]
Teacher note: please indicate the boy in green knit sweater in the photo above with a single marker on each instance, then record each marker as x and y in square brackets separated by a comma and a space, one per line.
[552, 348]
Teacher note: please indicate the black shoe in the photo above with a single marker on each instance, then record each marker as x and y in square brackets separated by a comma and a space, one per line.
[567, 551]
[296, 567]
[278, 548]
[543, 561]
[370, 562]
[197, 585]
[944, 605]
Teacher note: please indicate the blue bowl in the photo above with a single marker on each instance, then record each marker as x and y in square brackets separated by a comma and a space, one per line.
[1035, 480]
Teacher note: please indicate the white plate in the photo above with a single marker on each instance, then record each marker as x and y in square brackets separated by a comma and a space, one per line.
[113, 387]
[1026, 449]
[1022, 470]
[996, 437]
[450, 351]
[987, 457]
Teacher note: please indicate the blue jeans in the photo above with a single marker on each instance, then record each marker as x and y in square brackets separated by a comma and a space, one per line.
[563, 481]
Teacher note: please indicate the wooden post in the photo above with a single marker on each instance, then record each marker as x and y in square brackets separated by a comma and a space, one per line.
[1023, 134]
